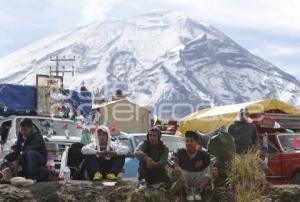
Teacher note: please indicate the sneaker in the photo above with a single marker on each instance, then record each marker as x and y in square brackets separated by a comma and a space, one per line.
[190, 197]
[142, 184]
[7, 174]
[111, 176]
[98, 176]
[197, 197]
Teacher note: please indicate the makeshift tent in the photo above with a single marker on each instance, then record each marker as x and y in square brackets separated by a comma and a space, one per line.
[211, 119]
[20, 99]
[17, 98]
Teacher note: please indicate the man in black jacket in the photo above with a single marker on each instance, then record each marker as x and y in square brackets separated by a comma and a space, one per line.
[29, 152]
[153, 155]
[244, 132]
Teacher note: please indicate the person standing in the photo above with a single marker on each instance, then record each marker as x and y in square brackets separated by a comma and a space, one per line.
[244, 132]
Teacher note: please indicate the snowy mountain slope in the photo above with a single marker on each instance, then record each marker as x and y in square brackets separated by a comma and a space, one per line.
[158, 59]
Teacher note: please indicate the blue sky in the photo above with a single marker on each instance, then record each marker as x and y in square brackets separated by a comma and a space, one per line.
[268, 28]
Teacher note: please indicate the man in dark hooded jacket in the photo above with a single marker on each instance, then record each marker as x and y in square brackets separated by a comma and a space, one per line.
[153, 155]
[244, 132]
[29, 152]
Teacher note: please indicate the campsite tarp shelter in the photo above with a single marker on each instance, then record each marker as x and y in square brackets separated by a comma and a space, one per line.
[211, 119]
[17, 98]
[20, 99]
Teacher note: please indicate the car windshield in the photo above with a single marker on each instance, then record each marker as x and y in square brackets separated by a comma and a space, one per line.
[290, 142]
[172, 142]
[126, 142]
[54, 127]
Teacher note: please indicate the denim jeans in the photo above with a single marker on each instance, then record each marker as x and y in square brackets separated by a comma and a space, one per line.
[34, 161]
[104, 166]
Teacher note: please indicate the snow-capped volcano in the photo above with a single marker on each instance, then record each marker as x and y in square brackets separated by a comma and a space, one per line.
[157, 59]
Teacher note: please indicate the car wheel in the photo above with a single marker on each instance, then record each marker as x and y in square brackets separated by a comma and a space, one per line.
[296, 178]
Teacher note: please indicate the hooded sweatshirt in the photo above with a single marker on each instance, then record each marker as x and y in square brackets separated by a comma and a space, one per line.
[158, 154]
[93, 148]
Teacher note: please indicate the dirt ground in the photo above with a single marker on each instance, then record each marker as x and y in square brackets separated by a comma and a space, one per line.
[123, 191]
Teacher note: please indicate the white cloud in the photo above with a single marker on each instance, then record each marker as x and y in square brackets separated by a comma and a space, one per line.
[280, 15]
[96, 10]
[88, 10]
[273, 50]
[254, 14]
[284, 57]
[37, 18]
[291, 69]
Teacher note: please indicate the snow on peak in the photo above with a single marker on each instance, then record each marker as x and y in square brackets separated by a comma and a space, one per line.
[156, 58]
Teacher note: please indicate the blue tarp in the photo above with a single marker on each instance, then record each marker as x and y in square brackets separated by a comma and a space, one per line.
[82, 101]
[85, 99]
[16, 99]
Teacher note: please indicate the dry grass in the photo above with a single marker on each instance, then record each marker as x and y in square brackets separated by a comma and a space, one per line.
[246, 178]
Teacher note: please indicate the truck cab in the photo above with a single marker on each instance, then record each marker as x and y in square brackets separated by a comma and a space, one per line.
[279, 135]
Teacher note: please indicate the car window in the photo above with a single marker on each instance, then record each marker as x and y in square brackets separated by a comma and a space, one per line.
[4, 131]
[290, 142]
[49, 127]
[139, 139]
[272, 145]
[127, 143]
[172, 142]
[272, 149]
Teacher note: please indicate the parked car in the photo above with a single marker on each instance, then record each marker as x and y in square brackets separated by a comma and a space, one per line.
[133, 140]
[280, 139]
[58, 133]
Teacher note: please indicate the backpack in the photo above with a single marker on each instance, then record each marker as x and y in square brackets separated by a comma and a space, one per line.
[222, 146]
[76, 161]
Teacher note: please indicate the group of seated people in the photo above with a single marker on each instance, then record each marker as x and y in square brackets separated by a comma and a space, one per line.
[190, 169]
[190, 166]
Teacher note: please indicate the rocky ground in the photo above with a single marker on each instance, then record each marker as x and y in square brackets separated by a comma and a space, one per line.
[81, 191]
[283, 193]
[123, 191]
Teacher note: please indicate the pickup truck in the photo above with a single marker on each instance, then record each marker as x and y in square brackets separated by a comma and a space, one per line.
[279, 135]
